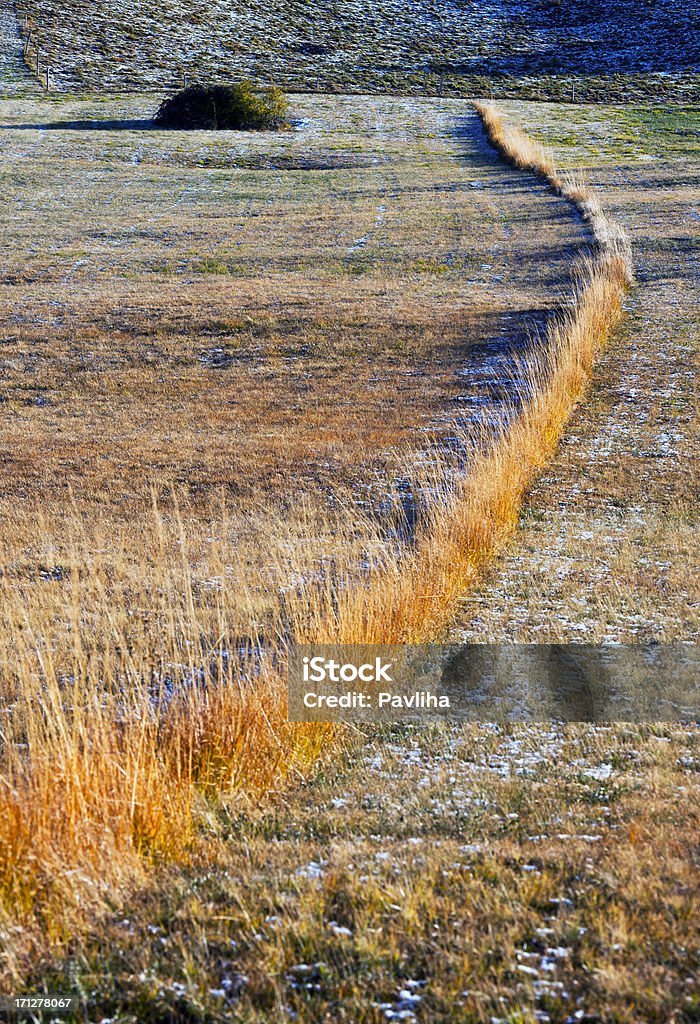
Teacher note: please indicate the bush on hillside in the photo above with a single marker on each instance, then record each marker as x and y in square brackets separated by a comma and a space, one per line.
[237, 107]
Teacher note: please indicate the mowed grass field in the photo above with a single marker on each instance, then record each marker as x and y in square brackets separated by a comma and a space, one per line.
[255, 330]
[468, 875]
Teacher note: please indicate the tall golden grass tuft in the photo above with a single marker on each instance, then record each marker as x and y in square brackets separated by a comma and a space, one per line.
[519, 150]
[130, 693]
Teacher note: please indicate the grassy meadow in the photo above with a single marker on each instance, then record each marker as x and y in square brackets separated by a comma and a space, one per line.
[226, 354]
[237, 410]
[461, 874]
[185, 489]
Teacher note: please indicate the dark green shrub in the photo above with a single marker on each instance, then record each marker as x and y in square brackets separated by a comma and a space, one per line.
[236, 107]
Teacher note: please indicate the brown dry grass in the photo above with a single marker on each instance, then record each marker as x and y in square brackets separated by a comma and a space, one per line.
[135, 687]
[472, 51]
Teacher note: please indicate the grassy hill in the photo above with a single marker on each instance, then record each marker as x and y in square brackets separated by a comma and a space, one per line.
[517, 47]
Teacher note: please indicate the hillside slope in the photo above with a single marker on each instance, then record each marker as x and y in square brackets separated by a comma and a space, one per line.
[461, 47]
[14, 73]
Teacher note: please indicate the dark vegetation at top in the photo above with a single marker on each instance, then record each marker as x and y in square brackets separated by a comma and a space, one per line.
[236, 107]
[632, 49]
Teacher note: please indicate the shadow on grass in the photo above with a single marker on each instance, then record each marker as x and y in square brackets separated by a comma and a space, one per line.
[84, 126]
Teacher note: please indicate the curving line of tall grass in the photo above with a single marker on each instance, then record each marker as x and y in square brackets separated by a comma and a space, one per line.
[412, 598]
[131, 693]
[526, 154]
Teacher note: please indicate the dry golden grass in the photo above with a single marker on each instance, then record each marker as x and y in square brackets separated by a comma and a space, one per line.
[142, 667]
[526, 153]
[608, 544]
